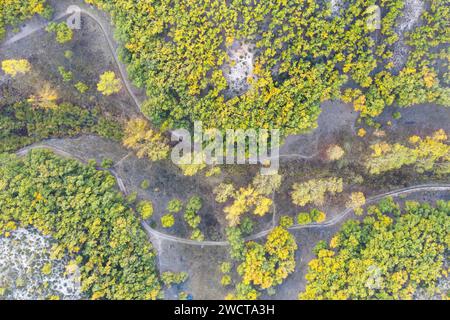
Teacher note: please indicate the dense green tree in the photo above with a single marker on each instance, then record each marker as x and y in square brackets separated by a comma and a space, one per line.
[174, 205]
[145, 209]
[15, 11]
[167, 220]
[193, 207]
[302, 55]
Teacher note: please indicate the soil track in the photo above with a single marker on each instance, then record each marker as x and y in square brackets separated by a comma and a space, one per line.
[290, 150]
[158, 236]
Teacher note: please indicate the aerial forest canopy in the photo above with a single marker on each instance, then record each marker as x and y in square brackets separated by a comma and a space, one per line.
[81, 208]
[292, 55]
[391, 254]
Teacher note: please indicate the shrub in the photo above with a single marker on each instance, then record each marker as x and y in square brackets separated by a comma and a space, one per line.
[225, 280]
[396, 115]
[286, 222]
[335, 152]
[317, 216]
[197, 235]
[68, 54]
[225, 267]
[81, 87]
[66, 75]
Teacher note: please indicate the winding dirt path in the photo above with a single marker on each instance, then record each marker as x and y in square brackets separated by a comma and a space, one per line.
[107, 33]
[84, 9]
[158, 236]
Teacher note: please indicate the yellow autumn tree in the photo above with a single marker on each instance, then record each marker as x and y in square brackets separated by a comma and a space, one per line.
[189, 167]
[334, 152]
[45, 98]
[267, 184]
[241, 204]
[223, 192]
[356, 201]
[146, 142]
[425, 154]
[13, 67]
[109, 84]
